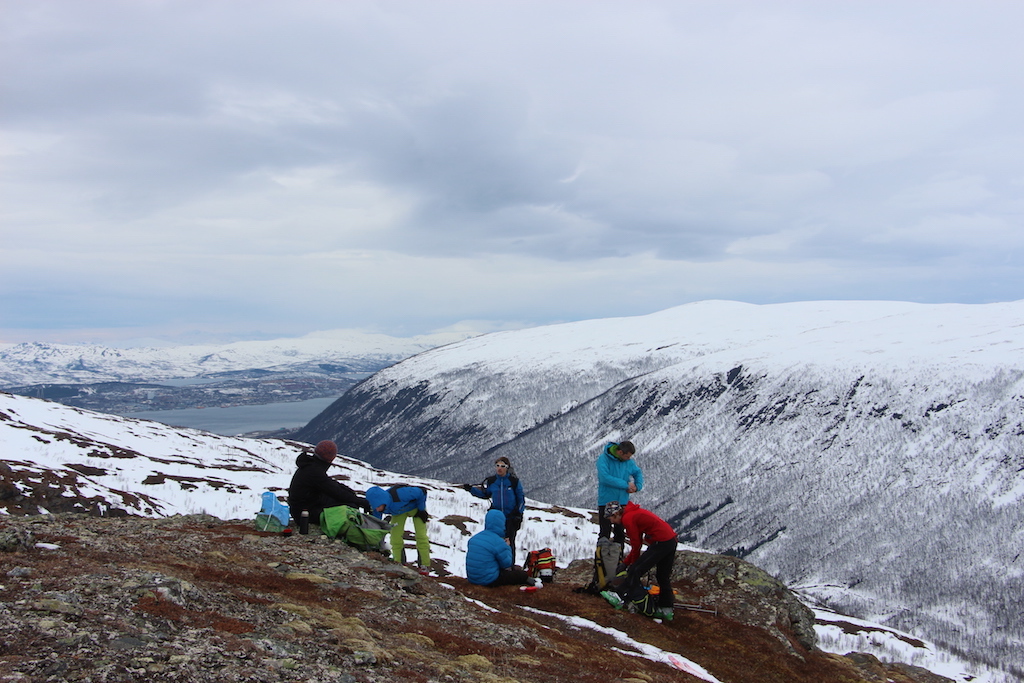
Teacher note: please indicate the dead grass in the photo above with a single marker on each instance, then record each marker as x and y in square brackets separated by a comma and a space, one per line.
[166, 609]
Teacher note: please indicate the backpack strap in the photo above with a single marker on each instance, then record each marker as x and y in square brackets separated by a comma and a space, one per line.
[513, 481]
[394, 491]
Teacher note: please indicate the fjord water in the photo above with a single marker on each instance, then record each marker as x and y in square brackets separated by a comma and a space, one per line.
[241, 419]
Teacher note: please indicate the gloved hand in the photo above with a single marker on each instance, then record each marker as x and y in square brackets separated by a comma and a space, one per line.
[422, 514]
[467, 487]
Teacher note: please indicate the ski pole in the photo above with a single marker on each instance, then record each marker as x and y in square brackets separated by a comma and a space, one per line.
[697, 608]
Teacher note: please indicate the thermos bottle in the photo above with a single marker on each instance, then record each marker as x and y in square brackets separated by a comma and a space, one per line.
[304, 523]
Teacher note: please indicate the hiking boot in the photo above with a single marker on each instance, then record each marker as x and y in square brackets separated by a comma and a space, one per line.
[641, 606]
[424, 571]
[613, 599]
[664, 613]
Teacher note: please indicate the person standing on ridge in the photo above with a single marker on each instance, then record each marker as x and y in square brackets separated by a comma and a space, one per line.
[617, 477]
[643, 526]
[402, 502]
[312, 490]
[505, 492]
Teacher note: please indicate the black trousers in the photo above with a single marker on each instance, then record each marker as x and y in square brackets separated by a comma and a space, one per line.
[513, 576]
[660, 556]
[512, 524]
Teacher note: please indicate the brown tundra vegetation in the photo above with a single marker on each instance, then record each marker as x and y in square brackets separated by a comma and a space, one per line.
[195, 598]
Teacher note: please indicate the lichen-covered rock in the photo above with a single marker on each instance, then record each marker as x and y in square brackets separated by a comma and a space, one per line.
[746, 593]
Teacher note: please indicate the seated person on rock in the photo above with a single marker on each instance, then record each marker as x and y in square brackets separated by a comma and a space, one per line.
[489, 557]
[312, 490]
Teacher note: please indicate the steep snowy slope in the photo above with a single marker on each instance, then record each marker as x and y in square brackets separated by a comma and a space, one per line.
[54, 458]
[871, 451]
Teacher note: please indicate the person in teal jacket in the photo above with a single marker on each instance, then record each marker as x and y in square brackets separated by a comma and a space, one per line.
[617, 477]
[402, 502]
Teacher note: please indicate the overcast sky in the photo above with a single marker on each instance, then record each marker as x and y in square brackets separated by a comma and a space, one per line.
[215, 169]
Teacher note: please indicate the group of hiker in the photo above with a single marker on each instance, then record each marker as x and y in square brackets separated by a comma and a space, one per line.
[490, 555]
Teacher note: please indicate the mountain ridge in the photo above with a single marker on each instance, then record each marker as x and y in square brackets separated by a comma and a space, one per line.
[835, 443]
[38, 362]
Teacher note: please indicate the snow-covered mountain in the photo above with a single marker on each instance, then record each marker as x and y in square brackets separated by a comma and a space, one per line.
[870, 452]
[55, 458]
[38, 363]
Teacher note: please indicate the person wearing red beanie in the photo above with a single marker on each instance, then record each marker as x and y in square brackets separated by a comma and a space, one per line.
[312, 490]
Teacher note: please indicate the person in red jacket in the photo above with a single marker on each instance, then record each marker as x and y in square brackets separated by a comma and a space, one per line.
[644, 527]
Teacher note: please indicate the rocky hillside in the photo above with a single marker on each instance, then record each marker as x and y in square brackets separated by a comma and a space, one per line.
[194, 598]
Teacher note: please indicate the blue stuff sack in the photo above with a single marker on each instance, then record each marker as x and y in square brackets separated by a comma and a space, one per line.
[274, 514]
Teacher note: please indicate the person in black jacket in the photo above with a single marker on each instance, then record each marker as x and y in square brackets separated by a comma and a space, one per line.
[312, 490]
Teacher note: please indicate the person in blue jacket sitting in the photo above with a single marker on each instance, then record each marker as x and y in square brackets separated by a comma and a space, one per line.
[402, 502]
[617, 477]
[489, 559]
[505, 492]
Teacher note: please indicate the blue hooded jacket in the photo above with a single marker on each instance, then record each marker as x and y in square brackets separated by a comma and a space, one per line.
[487, 553]
[505, 492]
[613, 477]
[409, 498]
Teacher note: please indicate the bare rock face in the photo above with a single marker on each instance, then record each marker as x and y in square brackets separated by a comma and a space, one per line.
[735, 589]
[747, 593]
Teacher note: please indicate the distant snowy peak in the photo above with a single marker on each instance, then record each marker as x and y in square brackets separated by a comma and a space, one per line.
[38, 363]
[793, 333]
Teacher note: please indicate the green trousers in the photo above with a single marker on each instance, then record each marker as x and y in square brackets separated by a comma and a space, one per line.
[398, 543]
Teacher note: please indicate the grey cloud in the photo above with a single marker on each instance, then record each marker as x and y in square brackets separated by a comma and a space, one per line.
[569, 132]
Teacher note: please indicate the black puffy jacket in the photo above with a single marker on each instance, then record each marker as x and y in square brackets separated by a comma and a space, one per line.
[311, 489]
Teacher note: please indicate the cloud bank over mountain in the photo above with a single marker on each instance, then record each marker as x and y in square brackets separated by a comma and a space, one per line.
[180, 168]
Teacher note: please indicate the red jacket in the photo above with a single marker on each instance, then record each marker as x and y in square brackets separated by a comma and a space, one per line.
[643, 526]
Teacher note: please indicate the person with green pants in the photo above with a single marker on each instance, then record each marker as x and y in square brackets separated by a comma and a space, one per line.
[402, 502]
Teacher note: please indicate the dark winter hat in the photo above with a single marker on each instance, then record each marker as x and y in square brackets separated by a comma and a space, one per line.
[611, 509]
[326, 451]
[627, 447]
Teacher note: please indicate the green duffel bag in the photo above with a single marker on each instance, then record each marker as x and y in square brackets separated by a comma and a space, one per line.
[356, 528]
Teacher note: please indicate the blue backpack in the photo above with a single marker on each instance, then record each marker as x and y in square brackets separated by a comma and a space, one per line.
[273, 516]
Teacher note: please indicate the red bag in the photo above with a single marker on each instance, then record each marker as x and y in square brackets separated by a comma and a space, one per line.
[541, 564]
